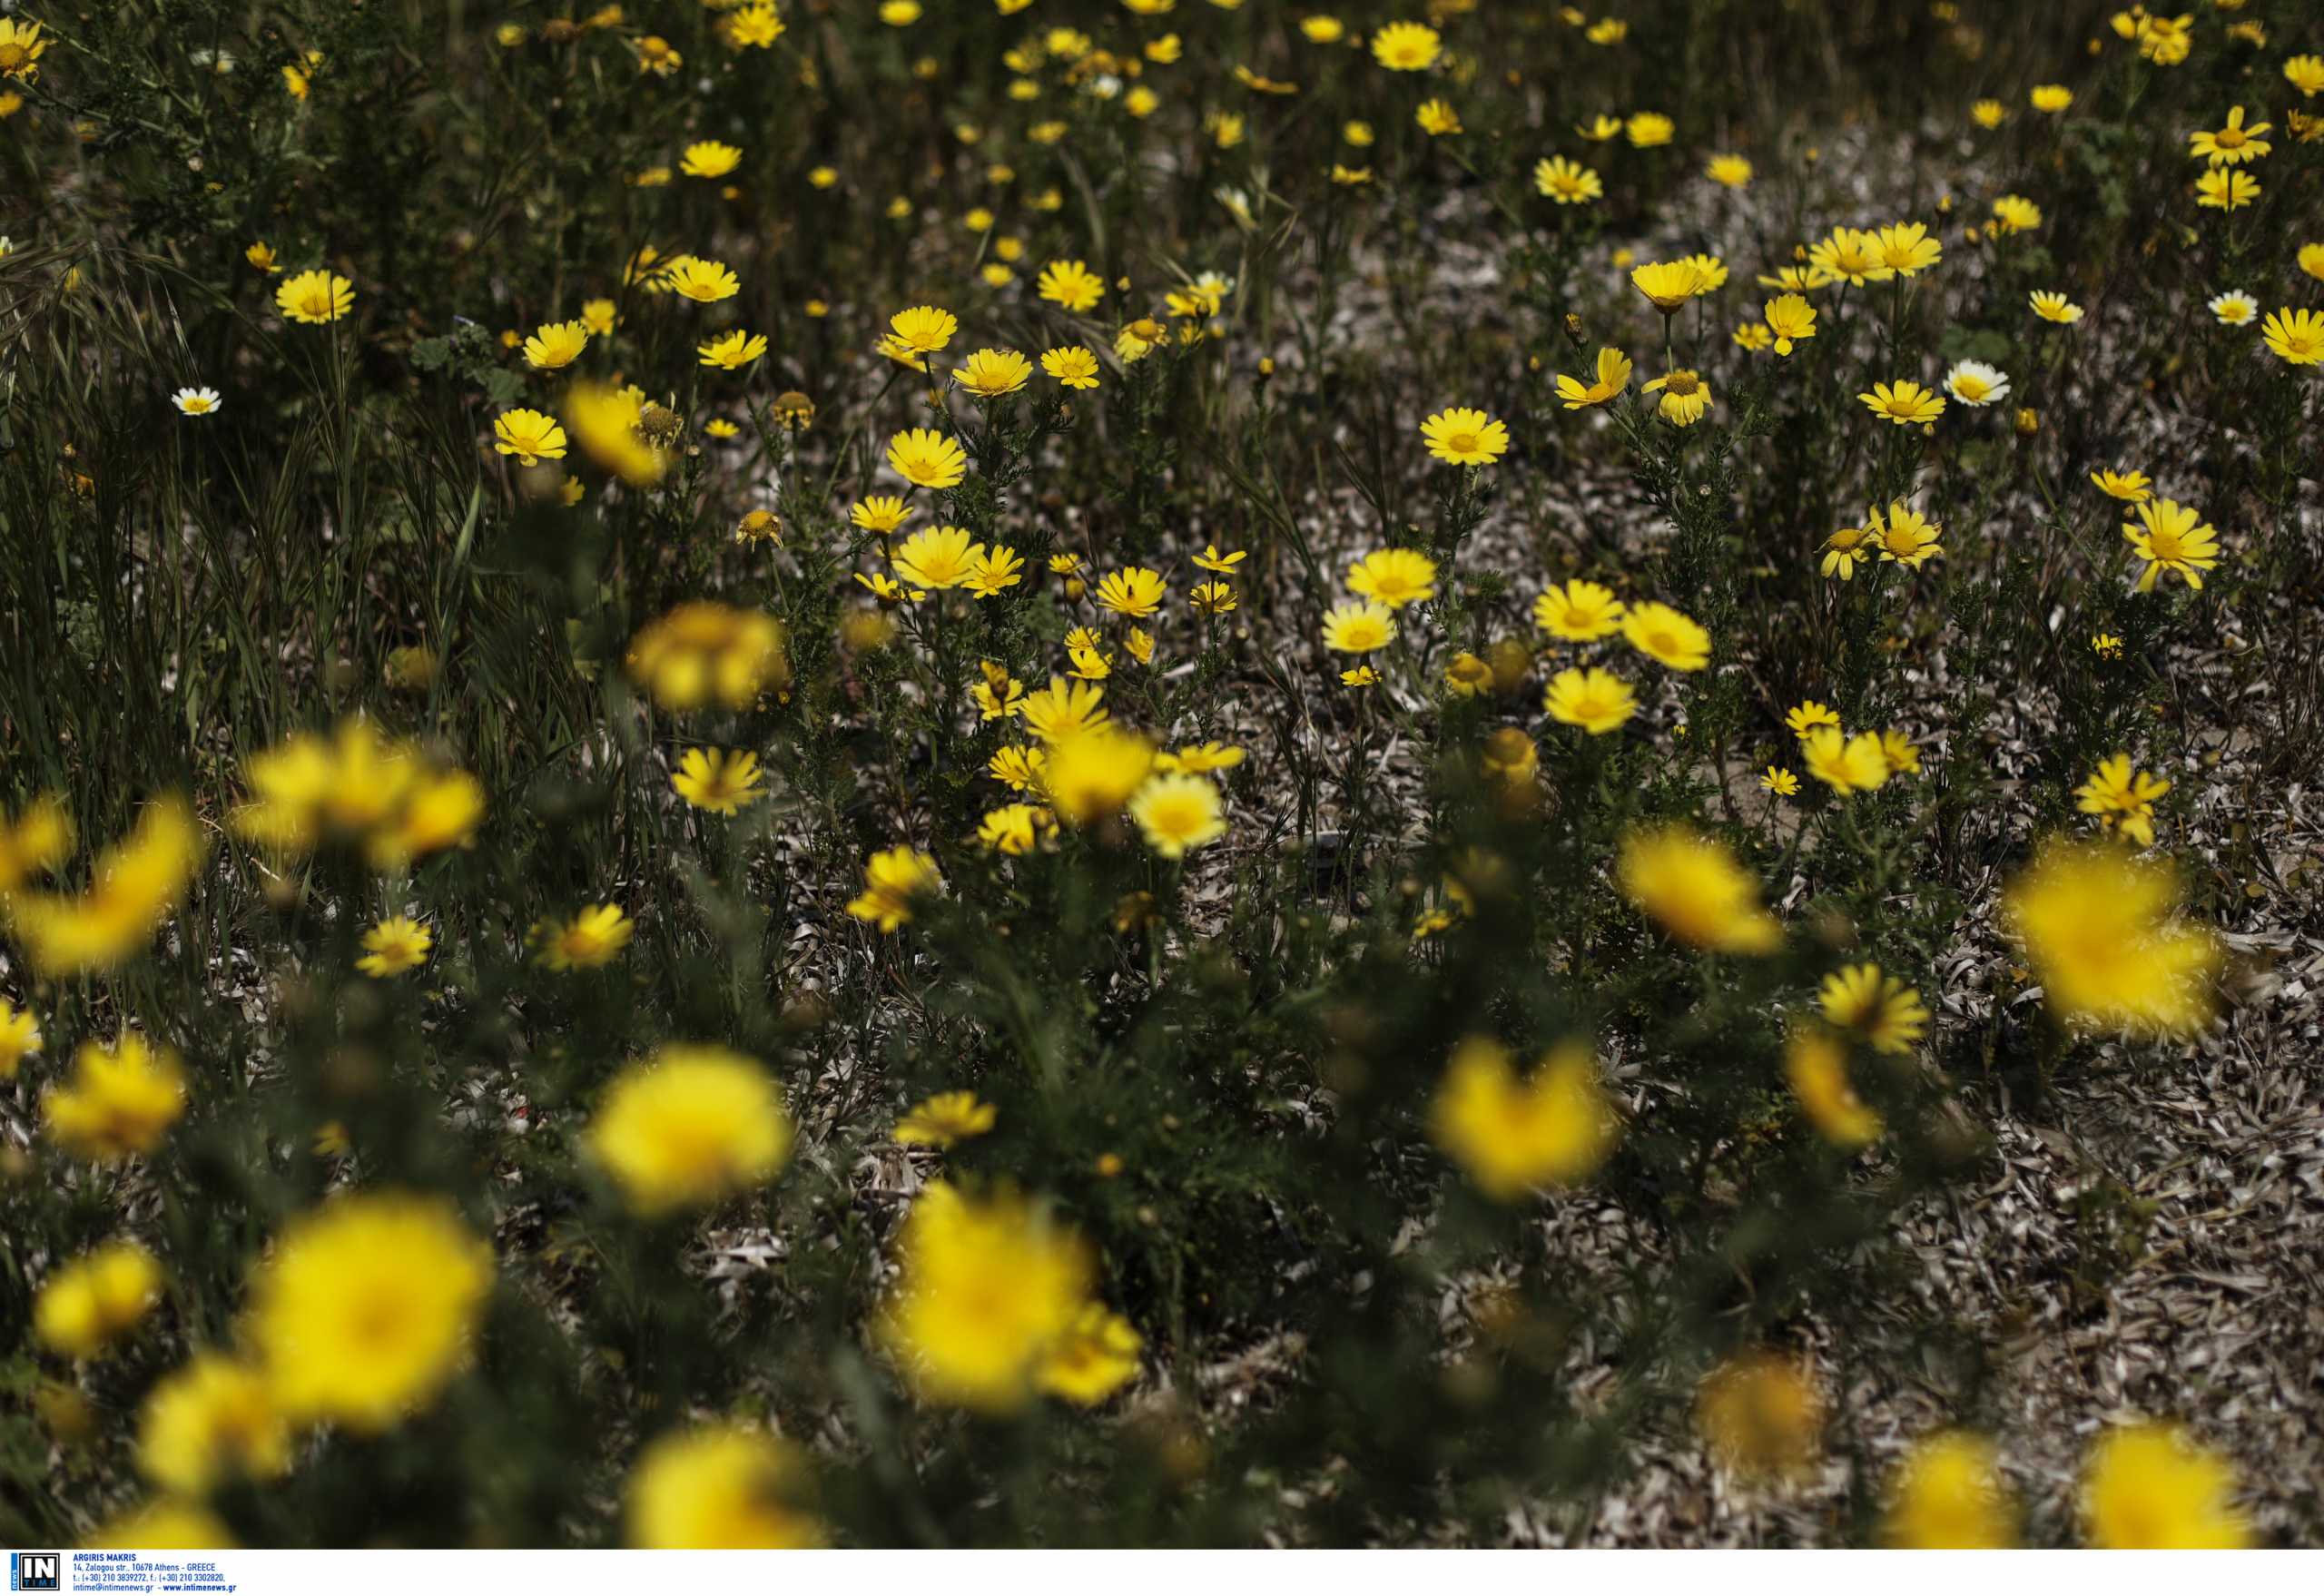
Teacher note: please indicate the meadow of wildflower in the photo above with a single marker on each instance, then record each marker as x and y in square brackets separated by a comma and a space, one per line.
[1151, 772]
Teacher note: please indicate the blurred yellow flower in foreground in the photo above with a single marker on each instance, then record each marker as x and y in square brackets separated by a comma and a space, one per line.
[122, 1099]
[1096, 1357]
[605, 422]
[1815, 1062]
[994, 1292]
[136, 884]
[95, 1298]
[689, 1126]
[36, 842]
[1949, 1492]
[2101, 929]
[211, 1420]
[19, 1038]
[1692, 885]
[387, 796]
[703, 651]
[718, 1487]
[1092, 774]
[2152, 1487]
[366, 1307]
[1511, 1136]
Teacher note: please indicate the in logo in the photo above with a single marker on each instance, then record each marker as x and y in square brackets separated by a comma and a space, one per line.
[34, 1570]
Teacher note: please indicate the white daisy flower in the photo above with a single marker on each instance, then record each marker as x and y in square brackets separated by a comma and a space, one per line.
[195, 401]
[1973, 382]
[2234, 308]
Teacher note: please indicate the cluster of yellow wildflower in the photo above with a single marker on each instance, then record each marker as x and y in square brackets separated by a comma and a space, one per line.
[134, 885]
[357, 1316]
[994, 1307]
[386, 798]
